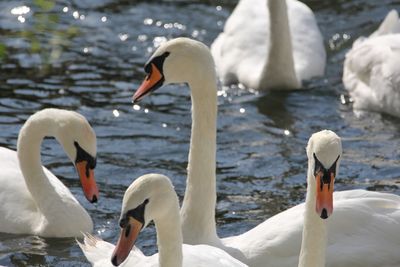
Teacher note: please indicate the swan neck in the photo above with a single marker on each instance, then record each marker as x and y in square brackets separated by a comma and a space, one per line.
[314, 240]
[279, 70]
[28, 151]
[198, 207]
[169, 237]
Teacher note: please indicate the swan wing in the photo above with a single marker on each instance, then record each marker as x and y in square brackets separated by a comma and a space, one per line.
[241, 49]
[204, 256]
[364, 230]
[371, 74]
[308, 44]
[391, 24]
[275, 242]
[98, 252]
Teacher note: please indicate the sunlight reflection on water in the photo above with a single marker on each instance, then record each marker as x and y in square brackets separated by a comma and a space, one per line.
[88, 56]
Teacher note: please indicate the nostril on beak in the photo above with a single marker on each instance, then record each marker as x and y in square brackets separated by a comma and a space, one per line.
[94, 199]
[114, 260]
[324, 214]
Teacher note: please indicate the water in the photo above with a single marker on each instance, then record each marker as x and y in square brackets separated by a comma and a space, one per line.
[88, 56]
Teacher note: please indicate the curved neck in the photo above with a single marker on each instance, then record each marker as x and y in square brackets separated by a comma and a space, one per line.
[169, 238]
[313, 246]
[28, 150]
[279, 71]
[198, 207]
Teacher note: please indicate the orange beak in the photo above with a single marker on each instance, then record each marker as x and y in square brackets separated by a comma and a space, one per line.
[88, 181]
[126, 241]
[150, 83]
[324, 205]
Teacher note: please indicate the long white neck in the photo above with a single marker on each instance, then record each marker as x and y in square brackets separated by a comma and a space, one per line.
[314, 241]
[55, 209]
[169, 238]
[198, 207]
[28, 150]
[279, 71]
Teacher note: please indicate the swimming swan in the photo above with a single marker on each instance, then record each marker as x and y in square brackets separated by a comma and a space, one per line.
[269, 44]
[371, 71]
[33, 200]
[151, 197]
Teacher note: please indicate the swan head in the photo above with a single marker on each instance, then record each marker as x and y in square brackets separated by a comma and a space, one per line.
[150, 197]
[78, 140]
[181, 60]
[324, 151]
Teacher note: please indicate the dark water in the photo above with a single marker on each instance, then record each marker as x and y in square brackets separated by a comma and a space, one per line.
[88, 56]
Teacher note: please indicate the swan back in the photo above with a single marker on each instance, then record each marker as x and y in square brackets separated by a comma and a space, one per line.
[371, 73]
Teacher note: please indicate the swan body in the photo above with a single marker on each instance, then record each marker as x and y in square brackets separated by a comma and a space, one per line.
[33, 200]
[152, 197]
[371, 70]
[269, 44]
[362, 231]
[358, 228]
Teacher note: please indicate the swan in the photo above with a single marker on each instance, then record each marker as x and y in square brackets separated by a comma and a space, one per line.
[364, 228]
[324, 151]
[371, 70]
[33, 200]
[151, 197]
[269, 44]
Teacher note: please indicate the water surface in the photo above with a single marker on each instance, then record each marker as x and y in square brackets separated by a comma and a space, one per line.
[88, 56]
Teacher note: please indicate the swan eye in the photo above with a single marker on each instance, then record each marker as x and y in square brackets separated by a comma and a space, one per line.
[332, 169]
[318, 166]
[148, 68]
[326, 175]
[138, 212]
[123, 222]
[158, 61]
[82, 155]
[92, 163]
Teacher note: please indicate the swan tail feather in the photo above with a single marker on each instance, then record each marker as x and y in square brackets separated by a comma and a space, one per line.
[94, 248]
[391, 24]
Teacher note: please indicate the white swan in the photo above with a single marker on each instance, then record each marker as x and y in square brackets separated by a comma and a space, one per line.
[269, 44]
[152, 197]
[324, 151]
[371, 71]
[33, 200]
[364, 228]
